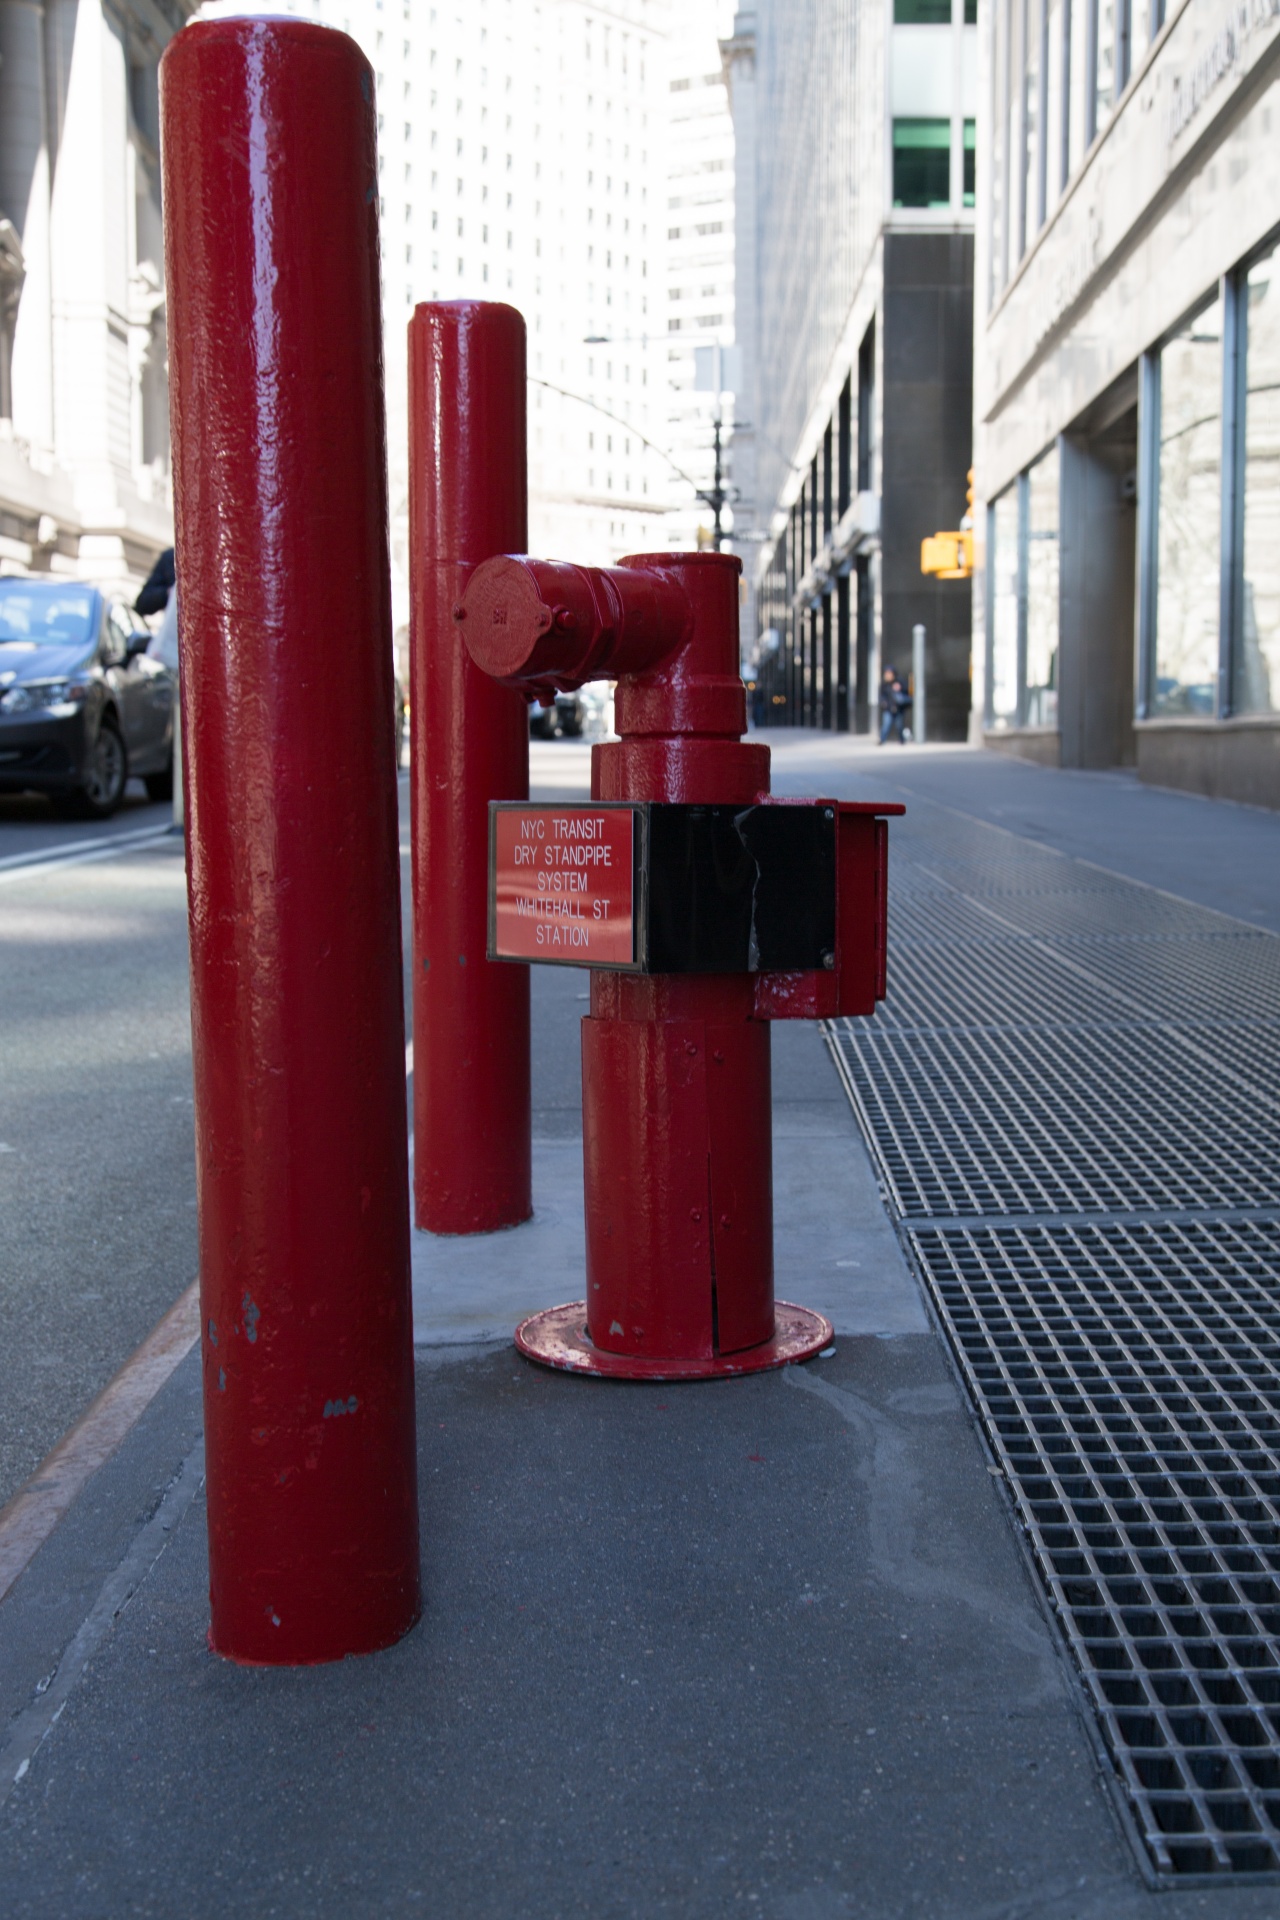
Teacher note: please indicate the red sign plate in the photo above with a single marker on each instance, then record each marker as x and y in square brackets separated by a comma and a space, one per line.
[562, 884]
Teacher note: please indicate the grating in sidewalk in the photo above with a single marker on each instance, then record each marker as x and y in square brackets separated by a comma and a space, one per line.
[1059, 1120]
[1129, 1379]
[1074, 1106]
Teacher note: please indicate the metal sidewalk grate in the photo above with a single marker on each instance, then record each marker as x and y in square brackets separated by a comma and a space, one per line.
[1058, 1121]
[1073, 1099]
[1129, 1380]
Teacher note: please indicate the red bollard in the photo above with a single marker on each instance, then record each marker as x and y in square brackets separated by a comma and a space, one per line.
[675, 1053]
[470, 745]
[271, 222]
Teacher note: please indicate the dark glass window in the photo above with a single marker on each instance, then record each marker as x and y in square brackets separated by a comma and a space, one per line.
[921, 163]
[970, 157]
[923, 13]
[971, 13]
[45, 613]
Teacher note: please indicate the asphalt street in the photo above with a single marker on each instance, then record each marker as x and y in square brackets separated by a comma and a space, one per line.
[97, 1182]
[29, 827]
[97, 1165]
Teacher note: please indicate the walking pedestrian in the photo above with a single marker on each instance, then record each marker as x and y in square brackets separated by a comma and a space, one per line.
[895, 705]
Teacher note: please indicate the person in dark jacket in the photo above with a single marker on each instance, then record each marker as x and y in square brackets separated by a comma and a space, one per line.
[895, 705]
[157, 586]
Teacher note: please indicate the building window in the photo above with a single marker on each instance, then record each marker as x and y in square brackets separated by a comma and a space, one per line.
[922, 13]
[1075, 106]
[922, 163]
[1107, 58]
[1030, 209]
[1256, 676]
[1187, 400]
[1102, 20]
[1022, 607]
[1039, 703]
[970, 161]
[1005, 607]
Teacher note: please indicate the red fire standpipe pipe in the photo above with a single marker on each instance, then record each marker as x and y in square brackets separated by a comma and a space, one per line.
[684, 1045]
[675, 1068]
[271, 208]
[470, 745]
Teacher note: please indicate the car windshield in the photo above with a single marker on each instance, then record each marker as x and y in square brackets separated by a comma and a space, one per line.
[45, 613]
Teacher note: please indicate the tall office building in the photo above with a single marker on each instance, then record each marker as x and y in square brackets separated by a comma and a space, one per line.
[699, 251]
[1127, 389]
[522, 158]
[84, 402]
[855, 189]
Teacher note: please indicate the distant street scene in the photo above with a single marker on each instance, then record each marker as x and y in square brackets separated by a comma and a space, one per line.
[640, 922]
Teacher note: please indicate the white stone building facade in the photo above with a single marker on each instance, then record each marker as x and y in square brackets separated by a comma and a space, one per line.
[1127, 389]
[699, 254]
[855, 133]
[84, 427]
[522, 158]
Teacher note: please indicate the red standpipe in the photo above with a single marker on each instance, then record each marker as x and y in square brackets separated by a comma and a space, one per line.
[470, 745]
[271, 231]
[675, 1068]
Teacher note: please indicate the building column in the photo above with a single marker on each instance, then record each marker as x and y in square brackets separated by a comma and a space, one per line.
[1096, 604]
[90, 284]
[24, 202]
[844, 690]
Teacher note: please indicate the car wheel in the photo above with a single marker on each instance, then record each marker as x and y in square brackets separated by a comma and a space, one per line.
[105, 776]
[160, 785]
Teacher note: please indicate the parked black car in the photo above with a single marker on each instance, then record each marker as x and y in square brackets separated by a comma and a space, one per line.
[82, 704]
[565, 717]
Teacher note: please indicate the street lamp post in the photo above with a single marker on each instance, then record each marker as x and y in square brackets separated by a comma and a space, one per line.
[718, 496]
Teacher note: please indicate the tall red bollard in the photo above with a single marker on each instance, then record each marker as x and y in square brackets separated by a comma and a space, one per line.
[270, 187]
[467, 501]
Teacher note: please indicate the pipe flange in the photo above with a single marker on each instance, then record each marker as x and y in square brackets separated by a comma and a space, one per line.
[557, 1337]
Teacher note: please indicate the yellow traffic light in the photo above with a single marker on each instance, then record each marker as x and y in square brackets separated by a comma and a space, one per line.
[948, 555]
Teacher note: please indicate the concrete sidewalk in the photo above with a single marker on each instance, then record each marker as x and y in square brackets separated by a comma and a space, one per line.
[766, 1646]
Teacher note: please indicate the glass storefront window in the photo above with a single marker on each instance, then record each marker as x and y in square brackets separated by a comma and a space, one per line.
[922, 163]
[1022, 563]
[1257, 650]
[1004, 559]
[1188, 511]
[1040, 708]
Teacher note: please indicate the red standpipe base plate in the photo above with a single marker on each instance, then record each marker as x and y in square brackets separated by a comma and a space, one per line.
[557, 1337]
